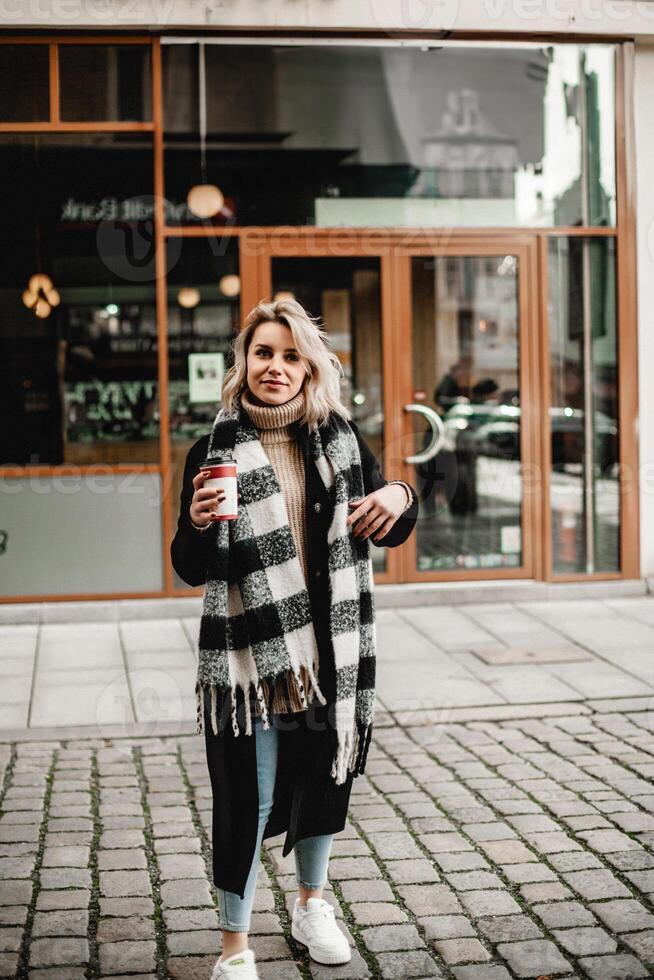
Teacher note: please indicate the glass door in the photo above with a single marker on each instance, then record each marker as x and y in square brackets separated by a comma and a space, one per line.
[438, 344]
[472, 407]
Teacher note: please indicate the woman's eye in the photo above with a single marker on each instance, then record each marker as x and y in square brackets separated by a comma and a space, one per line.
[266, 353]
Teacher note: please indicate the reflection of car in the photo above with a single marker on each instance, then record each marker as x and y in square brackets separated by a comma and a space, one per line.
[486, 429]
[500, 439]
[568, 439]
[494, 430]
[474, 429]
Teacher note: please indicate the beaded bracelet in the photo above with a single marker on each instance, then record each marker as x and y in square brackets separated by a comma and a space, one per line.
[205, 527]
[407, 490]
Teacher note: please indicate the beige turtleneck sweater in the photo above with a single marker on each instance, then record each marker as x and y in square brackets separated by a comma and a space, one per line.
[285, 455]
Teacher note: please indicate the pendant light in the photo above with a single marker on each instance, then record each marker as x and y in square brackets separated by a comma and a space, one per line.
[230, 285]
[40, 295]
[204, 200]
[188, 297]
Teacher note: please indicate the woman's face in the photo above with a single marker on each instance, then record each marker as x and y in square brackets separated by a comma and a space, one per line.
[275, 373]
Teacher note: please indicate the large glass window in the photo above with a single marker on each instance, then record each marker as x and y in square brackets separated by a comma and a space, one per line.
[105, 82]
[203, 318]
[78, 351]
[585, 479]
[24, 75]
[439, 135]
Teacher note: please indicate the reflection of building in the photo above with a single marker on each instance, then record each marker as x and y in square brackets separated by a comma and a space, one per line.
[445, 207]
[469, 155]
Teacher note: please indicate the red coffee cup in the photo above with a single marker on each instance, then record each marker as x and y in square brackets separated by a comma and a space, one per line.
[222, 473]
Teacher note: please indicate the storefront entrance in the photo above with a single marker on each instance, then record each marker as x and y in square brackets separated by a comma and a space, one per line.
[459, 214]
[439, 343]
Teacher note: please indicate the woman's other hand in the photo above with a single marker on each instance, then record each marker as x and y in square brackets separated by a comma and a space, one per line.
[377, 512]
[205, 499]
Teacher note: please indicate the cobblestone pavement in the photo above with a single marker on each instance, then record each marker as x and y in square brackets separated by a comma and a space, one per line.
[475, 850]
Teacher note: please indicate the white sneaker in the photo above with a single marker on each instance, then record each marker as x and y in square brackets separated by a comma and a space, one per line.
[241, 966]
[315, 926]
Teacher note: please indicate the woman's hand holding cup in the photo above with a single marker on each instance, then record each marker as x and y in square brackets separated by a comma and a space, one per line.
[204, 501]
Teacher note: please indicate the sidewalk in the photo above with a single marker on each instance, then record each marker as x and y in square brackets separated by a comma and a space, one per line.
[504, 828]
[448, 659]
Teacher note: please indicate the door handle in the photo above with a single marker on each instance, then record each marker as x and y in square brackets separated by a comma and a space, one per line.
[437, 434]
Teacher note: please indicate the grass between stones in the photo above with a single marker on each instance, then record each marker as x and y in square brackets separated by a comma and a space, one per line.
[161, 947]
[93, 970]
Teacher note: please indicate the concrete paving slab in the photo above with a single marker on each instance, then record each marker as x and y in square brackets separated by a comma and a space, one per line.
[640, 608]
[165, 659]
[94, 705]
[600, 680]
[153, 634]
[531, 653]
[394, 632]
[530, 684]
[453, 628]
[397, 689]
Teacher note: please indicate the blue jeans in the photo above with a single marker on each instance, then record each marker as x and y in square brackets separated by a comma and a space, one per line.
[311, 853]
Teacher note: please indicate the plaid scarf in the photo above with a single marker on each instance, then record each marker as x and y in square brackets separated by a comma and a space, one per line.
[256, 628]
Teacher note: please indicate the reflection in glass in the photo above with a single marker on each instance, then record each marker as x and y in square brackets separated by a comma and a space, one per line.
[80, 383]
[346, 294]
[110, 82]
[466, 368]
[585, 488]
[203, 319]
[24, 73]
[440, 136]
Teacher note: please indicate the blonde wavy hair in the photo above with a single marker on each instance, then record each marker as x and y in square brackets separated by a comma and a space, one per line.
[324, 370]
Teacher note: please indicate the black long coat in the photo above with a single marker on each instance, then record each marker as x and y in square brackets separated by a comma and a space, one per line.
[307, 802]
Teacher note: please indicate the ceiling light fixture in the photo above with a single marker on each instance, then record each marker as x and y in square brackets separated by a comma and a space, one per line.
[204, 200]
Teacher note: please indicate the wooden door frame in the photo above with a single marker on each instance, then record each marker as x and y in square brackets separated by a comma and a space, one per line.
[472, 244]
[262, 246]
[394, 248]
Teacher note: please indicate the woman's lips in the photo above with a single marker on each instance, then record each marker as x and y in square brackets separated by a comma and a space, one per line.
[275, 384]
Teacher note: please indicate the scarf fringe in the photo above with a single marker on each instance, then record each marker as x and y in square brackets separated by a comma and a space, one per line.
[351, 754]
[285, 693]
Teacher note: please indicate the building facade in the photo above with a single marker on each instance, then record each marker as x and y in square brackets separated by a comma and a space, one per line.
[464, 199]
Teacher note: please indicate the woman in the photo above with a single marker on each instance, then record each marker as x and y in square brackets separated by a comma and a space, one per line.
[287, 635]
